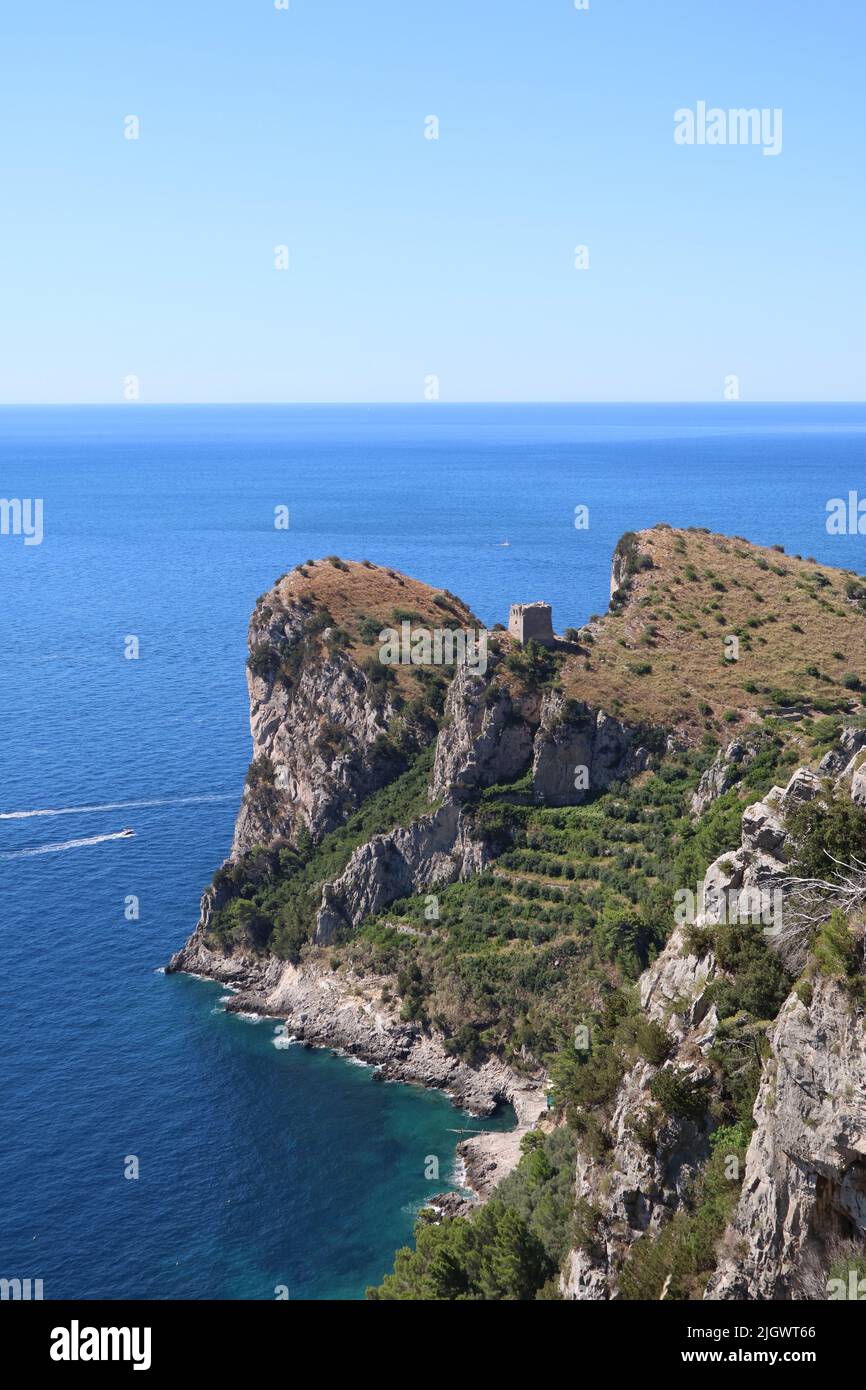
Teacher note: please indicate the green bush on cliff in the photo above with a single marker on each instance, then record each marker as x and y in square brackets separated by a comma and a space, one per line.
[510, 1249]
[283, 888]
[717, 830]
[679, 1095]
[677, 1262]
[654, 1042]
[536, 666]
[838, 953]
[829, 828]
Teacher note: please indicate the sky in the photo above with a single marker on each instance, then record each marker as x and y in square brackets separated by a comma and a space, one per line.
[422, 268]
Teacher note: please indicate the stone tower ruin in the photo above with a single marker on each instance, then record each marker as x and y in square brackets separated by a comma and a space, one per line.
[531, 622]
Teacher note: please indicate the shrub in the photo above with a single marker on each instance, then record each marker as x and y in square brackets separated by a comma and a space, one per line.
[836, 950]
[758, 984]
[831, 827]
[679, 1095]
[653, 1041]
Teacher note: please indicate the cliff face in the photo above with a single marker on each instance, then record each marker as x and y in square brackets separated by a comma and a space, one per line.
[433, 851]
[332, 728]
[805, 1180]
[578, 751]
[804, 1189]
[487, 736]
[723, 773]
[319, 727]
[643, 1184]
[493, 733]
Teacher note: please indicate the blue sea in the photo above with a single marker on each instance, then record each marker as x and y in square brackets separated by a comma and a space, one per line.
[263, 1167]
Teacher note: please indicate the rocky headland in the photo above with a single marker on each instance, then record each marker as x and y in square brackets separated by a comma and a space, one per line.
[377, 793]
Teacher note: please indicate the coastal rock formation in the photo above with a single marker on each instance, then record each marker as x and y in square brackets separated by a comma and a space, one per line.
[355, 1016]
[318, 727]
[578, 751]
[655, 1158]
[805, 1180]
[433, 851]
[332, 727]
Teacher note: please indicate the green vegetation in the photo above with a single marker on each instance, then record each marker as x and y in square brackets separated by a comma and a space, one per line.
[829, 831]
[678, 1261]
[837, 951]
[511, 1249]
[578, 903]
[679, 1095]
[277, 891]
[534, 665]
[520, 952]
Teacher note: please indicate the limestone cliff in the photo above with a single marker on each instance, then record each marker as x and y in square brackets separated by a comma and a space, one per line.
[494, 731]
[336, 731]
[321, 717]
[804, 1190]
[805, 1180]
[432, 851]
[653, 1160]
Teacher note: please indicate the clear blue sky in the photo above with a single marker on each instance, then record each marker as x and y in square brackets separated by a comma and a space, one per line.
[411, 257]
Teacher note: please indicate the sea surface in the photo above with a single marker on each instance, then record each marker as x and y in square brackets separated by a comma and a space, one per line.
[263, 1167]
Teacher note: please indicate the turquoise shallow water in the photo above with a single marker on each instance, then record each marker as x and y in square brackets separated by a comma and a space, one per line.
[262, 1166]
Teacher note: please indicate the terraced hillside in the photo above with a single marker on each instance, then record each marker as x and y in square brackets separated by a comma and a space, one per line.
[579, 904]
[468, 877]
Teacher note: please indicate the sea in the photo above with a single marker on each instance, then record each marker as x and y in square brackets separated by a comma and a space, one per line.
[152, 1145]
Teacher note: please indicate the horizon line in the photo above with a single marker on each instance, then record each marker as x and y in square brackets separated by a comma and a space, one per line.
[425, 405]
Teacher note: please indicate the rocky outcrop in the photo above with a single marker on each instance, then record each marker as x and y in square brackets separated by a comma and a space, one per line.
[841, 760]
[354, 1015]
[655, 1157]
[433, 851]
[492, 735]
[744, 883]
[723, 773]
[578, 751]
[805, 1180]
[846, 762]
[618, 572]
[486, 738]
[318, 727]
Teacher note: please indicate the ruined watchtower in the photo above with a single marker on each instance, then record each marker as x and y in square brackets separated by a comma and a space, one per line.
[531, 622]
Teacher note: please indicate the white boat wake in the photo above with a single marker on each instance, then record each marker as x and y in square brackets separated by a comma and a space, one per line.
[120, 806]
[63, 844]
